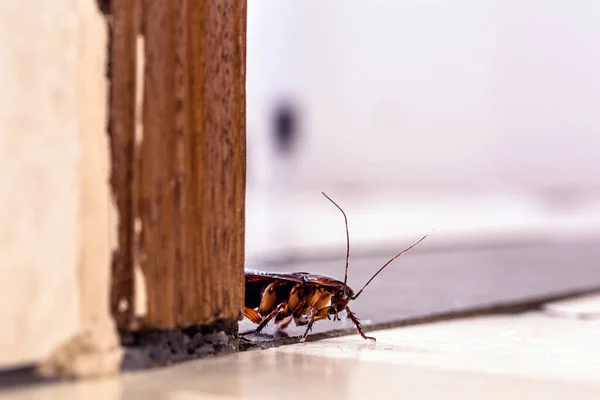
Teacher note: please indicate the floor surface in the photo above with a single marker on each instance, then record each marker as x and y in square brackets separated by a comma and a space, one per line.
[553, 353]
[425, 283]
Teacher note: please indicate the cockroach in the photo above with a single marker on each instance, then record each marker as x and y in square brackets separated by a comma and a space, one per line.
[302, 296]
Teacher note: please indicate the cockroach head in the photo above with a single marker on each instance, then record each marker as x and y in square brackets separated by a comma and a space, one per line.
[340, 299]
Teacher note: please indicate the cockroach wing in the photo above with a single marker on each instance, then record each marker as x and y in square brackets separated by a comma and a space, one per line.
[300, 277]
[323, 281]
[253, 275]
[266, 276]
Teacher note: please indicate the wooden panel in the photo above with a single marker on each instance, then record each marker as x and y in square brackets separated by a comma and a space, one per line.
[218, 100]
[122, 74]
[192, 162]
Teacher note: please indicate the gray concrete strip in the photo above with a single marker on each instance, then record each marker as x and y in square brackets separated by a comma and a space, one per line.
[422, 286]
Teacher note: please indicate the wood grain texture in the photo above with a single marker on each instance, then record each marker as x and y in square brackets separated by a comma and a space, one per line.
[122, 133]
[180, 189]
[192, 162]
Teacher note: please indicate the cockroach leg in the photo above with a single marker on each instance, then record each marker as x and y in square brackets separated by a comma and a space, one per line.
[269, 317]
[308, 329]
[311, 321]
[252, 315]
[268, 299]
[285, 322]
[357, 324]
[322, 313]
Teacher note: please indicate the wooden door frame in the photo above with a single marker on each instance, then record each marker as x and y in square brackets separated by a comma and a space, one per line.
[178, 162]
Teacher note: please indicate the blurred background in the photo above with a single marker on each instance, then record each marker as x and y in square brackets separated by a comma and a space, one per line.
[476, 121]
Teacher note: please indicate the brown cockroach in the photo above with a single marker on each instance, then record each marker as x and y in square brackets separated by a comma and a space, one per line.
[302, 296]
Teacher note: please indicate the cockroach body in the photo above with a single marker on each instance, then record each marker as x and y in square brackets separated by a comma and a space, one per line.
[299, 296]
[302, 296]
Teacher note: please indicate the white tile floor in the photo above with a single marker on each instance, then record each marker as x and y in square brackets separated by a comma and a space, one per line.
[534, 355]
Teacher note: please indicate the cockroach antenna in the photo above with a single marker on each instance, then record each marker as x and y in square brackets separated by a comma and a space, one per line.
[388, 263]
[347, 238]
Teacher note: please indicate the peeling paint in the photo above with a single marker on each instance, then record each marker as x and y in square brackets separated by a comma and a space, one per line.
[140, 300]
[139, 92]
[123, 305]
[137, 227]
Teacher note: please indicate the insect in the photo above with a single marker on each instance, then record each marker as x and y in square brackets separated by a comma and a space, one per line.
[303, 297]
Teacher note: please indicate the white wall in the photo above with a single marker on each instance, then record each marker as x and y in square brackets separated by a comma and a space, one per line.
[428, 93]
[472, 115]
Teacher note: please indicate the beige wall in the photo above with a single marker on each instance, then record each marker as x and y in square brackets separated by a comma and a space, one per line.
[55, 236]
[39, 150]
